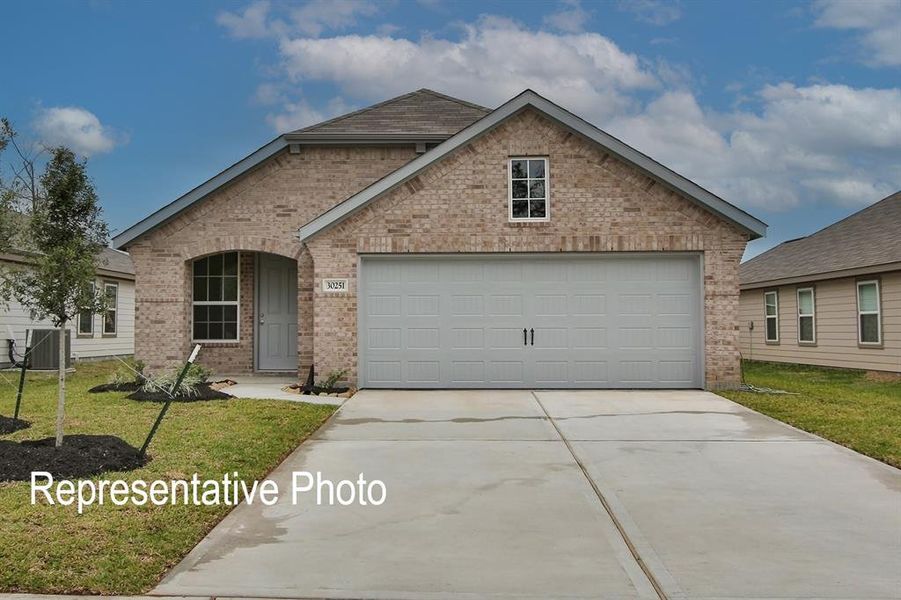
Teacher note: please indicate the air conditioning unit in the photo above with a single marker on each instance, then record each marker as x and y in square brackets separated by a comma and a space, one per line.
[45, 349]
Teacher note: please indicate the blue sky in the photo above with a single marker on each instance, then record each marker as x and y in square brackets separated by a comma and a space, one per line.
[791, 110]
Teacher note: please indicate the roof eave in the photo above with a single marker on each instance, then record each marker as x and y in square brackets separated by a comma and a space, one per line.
[821, 276]
[754, 227]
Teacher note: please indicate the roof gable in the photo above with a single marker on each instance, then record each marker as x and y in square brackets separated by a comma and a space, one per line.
[868, 238]
[529, 98]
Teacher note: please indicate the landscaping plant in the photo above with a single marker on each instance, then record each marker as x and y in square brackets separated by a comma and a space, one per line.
[64, 233]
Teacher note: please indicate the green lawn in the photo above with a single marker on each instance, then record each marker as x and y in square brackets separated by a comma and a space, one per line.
[838, 404]
[125, 550]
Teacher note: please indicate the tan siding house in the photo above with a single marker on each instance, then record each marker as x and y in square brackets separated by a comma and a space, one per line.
[93, 337]
[848, 279]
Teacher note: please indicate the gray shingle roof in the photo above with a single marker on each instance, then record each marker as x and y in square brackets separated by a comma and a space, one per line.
[868, 238]
[421, 112]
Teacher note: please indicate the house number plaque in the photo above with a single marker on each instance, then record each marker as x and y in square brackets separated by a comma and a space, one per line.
[334, 286]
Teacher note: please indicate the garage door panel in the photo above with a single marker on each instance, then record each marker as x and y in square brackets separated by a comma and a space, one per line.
[599, 321]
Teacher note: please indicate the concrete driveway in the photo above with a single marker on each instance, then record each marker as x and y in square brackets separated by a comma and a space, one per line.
[595, 494]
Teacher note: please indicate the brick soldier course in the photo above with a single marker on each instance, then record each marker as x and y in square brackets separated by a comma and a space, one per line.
[599, 202]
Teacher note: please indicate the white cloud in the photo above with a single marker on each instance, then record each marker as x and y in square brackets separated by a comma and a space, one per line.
[819, 143]
[253, 22]
[586, 72]
[571, 18]
[76, 128]
[878, 21]
[655, 12]
[317, 16]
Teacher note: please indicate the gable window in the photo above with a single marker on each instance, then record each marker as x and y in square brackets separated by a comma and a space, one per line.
[215, 301]
[869, 326]
[111, 314]
[528, 189]
[771, 307]
[86, 320]
[806, 316]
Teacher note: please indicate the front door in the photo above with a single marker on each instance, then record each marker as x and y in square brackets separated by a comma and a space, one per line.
[276, 313]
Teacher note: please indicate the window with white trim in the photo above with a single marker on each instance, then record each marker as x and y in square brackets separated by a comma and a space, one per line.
[806, 316]
[771, 308]
[215, 298]
[86, 319]
[869, 321]
[528, 189]
[111, 312]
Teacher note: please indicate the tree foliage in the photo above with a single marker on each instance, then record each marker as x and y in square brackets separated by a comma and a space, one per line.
[66, 233]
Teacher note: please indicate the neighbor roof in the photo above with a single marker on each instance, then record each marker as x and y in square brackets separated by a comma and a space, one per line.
[423, 112]
[110, 262]
[420, 116]
[867, 239]
[529, 98]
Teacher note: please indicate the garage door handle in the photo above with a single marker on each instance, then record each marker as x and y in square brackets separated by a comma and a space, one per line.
[533, 336]
[525, 339]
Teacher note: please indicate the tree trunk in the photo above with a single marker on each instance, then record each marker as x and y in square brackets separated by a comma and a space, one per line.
[61, 398]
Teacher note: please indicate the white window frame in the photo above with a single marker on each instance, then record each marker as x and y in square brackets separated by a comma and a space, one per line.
[812, 315]
[114, 309]
[236, 303]
[547, 191]
[766, 317]
[877, 312]
[78, 331]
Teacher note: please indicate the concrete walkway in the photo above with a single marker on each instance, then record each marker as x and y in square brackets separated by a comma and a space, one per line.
[270, 387]
[513, 494]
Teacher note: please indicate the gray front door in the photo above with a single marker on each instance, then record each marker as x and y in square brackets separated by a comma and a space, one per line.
[276, 313]
[542, 321]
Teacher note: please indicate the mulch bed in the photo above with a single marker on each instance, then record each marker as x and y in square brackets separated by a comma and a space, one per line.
[204, 392]
[79, 456]
[296, 388]
[10, 425]
[130, 386]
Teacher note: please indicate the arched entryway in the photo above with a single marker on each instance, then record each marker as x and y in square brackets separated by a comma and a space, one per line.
[243, 304]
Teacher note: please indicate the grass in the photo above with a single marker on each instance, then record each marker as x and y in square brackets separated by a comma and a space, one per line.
[841, 405]
[125, 550]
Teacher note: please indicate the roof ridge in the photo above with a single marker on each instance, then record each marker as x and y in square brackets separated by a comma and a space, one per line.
[453, 99]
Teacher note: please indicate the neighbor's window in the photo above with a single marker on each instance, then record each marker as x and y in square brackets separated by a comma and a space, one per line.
[215, 305]
[528, 189]
[86, 319]
[111, 315]
[806, 316]
[869, 326]
[771, 303]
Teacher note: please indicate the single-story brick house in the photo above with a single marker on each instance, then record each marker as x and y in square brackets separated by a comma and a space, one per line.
[832, 298]
[429, 242]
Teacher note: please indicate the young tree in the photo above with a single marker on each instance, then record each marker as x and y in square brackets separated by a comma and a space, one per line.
[66, 233]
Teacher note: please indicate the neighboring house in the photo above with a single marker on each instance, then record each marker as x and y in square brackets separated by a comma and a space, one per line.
[428, 242]
[93, 336]
[832, 298]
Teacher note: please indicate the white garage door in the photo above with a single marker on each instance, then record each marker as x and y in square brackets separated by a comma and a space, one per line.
[530, 321]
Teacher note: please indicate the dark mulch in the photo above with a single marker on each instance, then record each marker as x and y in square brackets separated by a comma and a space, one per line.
[203, 392]
[316, 390]
[10, 425]
[80, 456]
[130, 386]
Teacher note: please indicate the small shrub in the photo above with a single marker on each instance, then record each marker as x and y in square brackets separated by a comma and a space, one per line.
[189, 388]
[131, 372]
[332, 378]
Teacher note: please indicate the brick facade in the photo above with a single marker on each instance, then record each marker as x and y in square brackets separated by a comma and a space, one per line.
[597, 204]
